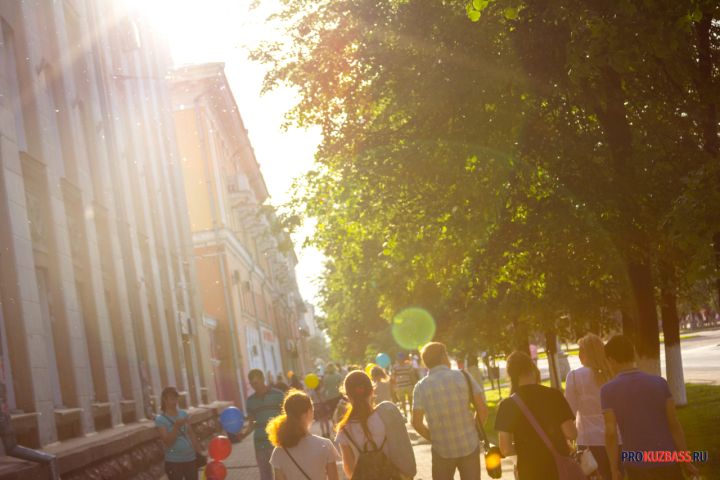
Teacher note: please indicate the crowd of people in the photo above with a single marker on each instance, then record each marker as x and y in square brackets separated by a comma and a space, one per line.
[608, 405]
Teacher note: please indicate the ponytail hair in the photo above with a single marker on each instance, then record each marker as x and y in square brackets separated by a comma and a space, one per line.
[359, 390]
[593, 354]
[288, 429]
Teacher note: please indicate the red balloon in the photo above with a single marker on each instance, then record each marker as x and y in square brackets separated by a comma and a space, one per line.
[220, 447]
[216, 470]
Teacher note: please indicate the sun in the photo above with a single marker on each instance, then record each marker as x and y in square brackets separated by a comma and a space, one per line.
[196, 31]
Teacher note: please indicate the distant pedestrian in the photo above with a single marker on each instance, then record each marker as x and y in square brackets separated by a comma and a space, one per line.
[295, 381]
[280, 384]
[181, 445]
[373, 438]
[332, 380]
[443, 398]
[404, 378]
[264, 404]
[582, 391]
[516, 433]
[473, 369]
[298, 454]
[381, 382]
[641, 406]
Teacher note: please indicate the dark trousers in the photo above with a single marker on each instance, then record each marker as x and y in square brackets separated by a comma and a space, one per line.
[262, 457]
[181, 470]
[468, 466]
[664, 472]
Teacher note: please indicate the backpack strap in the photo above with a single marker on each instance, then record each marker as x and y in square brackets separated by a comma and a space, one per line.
[369, 440]
[296, 464]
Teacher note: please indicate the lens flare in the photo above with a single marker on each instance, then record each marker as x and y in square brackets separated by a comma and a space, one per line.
[412, 328]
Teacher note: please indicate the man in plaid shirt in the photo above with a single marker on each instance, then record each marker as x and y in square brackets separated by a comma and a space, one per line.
[443, 397]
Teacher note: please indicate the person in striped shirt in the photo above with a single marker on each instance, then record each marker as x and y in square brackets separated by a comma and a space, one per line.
[404, 378]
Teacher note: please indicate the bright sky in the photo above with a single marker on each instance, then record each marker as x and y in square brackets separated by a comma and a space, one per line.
[223, 31]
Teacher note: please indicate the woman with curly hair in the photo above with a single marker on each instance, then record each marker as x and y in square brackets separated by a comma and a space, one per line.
[298, 454]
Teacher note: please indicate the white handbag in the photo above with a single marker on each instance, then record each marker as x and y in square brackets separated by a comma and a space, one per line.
[588, 464]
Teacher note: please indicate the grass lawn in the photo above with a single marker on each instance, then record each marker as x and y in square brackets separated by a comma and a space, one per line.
[700, 420]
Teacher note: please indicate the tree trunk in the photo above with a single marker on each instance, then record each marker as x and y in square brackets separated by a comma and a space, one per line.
[647, 341]
[671, 332]
[709, 122]
[552, 357]
[522, 342]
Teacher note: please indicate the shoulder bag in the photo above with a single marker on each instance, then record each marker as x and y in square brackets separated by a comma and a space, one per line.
[567, 467]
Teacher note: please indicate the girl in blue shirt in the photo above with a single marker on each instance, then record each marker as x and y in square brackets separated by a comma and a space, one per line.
[181, 444]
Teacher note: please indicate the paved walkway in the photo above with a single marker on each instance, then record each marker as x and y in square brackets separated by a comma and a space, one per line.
[241, 462]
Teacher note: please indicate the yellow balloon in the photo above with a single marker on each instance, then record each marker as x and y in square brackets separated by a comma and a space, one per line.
[368, 369]
[202, 475]
[312, 380]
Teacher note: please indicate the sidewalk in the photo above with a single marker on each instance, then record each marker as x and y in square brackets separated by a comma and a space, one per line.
[241, 462]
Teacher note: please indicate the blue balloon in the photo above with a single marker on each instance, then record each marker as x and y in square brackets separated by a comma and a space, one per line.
[383, 359]
[232, 420]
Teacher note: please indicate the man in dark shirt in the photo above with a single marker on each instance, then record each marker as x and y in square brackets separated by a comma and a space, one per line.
[264, 404]
[641, 406]
[515, 433]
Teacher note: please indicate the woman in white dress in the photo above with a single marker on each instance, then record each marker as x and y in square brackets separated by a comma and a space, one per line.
[582, 391]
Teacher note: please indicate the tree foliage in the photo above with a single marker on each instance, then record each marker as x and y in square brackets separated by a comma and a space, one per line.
[503, 164]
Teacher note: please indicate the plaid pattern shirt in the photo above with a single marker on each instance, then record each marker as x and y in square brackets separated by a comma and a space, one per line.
[443, 397]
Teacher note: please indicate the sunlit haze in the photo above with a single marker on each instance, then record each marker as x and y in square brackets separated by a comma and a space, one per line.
[224, 31]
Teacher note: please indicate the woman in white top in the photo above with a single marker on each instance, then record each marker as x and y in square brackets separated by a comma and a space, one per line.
[369, 428]
[298, 454]
[582, 391]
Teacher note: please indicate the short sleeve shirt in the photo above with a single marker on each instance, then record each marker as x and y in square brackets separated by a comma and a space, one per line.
[332, 383]
[313, 453]
[638, 401]
[404, 374]
[444, 398]
[262, 409]
[182, 450]
[551, 410]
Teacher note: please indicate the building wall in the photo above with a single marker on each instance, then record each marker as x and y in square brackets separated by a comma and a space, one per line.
[253, 294]
[100, 308]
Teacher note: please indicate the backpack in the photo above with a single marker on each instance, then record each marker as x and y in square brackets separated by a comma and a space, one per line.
[372, 464]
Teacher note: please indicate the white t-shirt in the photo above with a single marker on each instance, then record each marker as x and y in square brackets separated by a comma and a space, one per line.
[377, 432]
[313, 453]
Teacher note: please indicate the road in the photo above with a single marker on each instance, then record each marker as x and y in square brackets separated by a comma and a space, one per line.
[700, 353]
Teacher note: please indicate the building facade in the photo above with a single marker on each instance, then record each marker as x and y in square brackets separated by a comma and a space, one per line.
[244, 259]
[100, 309]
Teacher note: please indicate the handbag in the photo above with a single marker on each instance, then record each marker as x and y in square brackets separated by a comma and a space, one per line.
[492, 453]
[567, 467]
[588, 464]
[200, 459]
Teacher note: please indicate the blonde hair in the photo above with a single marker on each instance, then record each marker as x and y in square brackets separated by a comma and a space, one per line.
[287, 429]
[593, 355]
